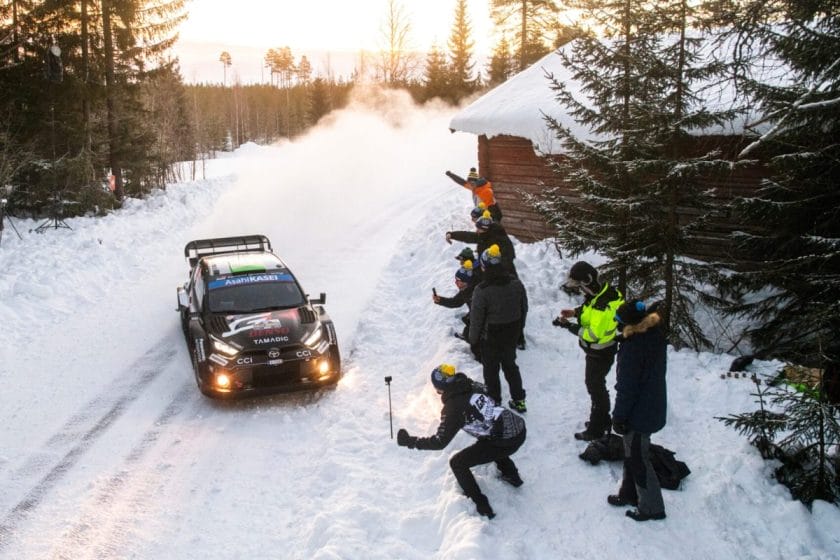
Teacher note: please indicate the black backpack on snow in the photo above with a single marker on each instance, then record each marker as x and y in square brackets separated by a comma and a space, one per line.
[668, 469]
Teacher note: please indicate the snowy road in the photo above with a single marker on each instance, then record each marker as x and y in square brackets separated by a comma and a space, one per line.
[109, 451]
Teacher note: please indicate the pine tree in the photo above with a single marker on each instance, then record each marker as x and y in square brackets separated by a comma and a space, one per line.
[226, 61]
[501, 66]
[64, 113]
[319, 100]
[798, 428]
[531, 21]
[461, 79]
[790, 270]
[436, 76]
[638, 171]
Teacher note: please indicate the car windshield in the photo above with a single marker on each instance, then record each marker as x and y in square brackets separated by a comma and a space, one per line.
[253, 292]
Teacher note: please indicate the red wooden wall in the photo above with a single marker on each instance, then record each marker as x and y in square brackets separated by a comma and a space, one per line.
[513, 167]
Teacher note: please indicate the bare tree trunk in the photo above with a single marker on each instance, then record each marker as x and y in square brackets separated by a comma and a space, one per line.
[85, 76]
[110, 101]
[524, 38]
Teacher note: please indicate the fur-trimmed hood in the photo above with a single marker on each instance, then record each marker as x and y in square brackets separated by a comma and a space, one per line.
[650, 320]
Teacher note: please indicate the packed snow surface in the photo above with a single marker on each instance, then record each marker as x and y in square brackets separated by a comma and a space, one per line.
[108, 450]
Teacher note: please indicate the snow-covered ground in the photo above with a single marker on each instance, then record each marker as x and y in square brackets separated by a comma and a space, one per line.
[109, 451]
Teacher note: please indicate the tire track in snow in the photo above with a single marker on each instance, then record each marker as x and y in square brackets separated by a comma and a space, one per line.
[74, 435]
[87, 538]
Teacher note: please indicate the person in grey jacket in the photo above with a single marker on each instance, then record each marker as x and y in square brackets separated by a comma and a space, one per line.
[498, 311]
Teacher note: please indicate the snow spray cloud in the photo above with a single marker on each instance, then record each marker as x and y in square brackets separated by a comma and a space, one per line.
[381, 150]
[347, 190]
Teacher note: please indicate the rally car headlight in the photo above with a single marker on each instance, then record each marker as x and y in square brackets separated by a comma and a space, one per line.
[313, 338]
[224, 347]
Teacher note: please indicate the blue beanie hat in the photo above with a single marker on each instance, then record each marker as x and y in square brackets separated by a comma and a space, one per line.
[478, 211]
[485, 221]
[443, 376]
[492, 256]
[465, 273]
[630, 312]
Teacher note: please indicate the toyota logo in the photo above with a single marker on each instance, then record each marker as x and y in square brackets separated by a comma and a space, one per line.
[274, 353]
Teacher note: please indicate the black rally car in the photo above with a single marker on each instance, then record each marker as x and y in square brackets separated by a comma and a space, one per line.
[248, 324]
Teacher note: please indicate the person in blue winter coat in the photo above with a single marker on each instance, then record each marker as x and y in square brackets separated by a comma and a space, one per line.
[466, 406]
[640, 407]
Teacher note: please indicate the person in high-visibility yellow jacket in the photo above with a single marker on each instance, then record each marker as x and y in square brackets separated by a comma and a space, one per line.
[596, 329]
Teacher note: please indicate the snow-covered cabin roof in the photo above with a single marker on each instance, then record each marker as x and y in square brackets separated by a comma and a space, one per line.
[516, 107]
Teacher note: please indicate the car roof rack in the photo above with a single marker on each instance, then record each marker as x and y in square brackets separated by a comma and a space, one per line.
[198, 248]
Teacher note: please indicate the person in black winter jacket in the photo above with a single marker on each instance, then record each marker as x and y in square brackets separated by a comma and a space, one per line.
[466, 406]
[640, 407]
[497, 316]
[465, 281]
[487, 232]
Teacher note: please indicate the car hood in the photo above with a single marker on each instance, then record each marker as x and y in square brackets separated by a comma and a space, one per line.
[261, 330]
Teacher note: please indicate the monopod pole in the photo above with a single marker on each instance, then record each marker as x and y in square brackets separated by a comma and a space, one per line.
[390, 416]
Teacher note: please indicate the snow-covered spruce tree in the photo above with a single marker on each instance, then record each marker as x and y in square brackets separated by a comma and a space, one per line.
[790, 245]
[639, 182]
[800, 429]
[788, 274]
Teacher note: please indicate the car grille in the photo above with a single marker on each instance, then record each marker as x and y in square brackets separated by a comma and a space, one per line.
[274, 376]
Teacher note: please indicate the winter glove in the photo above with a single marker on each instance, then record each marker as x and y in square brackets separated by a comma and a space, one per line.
[449, 237]
[619, 427]
[558, 322]
[405, 440]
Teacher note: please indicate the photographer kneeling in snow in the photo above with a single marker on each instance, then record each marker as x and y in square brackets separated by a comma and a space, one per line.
[499, 431]
[640, 407]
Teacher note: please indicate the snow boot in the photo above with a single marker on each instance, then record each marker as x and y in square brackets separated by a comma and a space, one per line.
[482, 504]
[518, 406]
[513, 479]
[589, 434]
[619, 500]
[637, 515]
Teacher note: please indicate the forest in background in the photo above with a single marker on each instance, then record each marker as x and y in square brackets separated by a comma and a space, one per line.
[93, 108]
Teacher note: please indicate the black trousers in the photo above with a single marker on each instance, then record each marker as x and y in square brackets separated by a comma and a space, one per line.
[498, 350]
[481, 452]
[597, 367]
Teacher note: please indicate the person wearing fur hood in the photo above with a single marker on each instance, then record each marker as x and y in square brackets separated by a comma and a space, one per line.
[640, 406]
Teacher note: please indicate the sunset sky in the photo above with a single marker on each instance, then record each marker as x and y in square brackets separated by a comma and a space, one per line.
[325, 24]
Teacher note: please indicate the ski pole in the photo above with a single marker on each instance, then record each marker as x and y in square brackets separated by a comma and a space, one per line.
[390, 416]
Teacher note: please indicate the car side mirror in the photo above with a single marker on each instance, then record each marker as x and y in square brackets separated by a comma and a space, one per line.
[321, 300]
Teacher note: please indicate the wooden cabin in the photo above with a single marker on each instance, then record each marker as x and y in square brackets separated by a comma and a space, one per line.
[515, 148]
